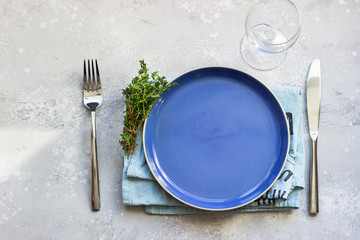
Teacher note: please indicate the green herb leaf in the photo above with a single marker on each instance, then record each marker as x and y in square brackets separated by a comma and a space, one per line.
[140, 95]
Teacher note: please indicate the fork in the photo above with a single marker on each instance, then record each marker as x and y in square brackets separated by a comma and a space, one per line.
[93, 100]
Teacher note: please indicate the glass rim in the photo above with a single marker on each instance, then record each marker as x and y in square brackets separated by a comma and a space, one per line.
[247, 22]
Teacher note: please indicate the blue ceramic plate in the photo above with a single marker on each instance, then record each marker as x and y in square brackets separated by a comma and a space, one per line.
[218, 140]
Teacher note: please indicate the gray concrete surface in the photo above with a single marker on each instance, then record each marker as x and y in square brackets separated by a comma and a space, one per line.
[44, 128]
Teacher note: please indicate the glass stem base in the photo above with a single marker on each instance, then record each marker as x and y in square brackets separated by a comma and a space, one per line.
[259, 59]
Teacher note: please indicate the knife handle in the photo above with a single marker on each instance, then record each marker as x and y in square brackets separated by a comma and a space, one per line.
[314, 198]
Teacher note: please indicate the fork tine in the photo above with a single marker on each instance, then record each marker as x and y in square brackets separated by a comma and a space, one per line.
[90, 77]
[98, 77]
[85, 83]
[93, 76]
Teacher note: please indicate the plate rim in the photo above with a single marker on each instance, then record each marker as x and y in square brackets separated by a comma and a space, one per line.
[284, 161]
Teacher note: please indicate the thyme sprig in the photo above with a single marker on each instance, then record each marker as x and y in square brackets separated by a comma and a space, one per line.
[140, 96]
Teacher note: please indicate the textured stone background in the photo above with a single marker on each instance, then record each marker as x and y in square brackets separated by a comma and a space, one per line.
[45, 129]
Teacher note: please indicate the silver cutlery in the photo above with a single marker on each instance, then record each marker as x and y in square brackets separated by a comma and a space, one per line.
[313, 110]
[93, 100]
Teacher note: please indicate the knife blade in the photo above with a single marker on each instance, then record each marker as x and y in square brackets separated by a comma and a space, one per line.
[313, 95]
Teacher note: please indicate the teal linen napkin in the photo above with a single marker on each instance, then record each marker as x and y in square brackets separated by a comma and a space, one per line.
[140, 188]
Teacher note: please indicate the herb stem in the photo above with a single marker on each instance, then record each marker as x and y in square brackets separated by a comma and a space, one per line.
[140, 95]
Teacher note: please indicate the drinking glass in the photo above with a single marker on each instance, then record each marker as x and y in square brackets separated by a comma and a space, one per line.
[271, 28]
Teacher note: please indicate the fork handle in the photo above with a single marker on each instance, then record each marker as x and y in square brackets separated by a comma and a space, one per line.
[95, 190]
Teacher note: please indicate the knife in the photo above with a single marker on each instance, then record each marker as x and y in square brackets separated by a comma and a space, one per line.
[313, 109]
